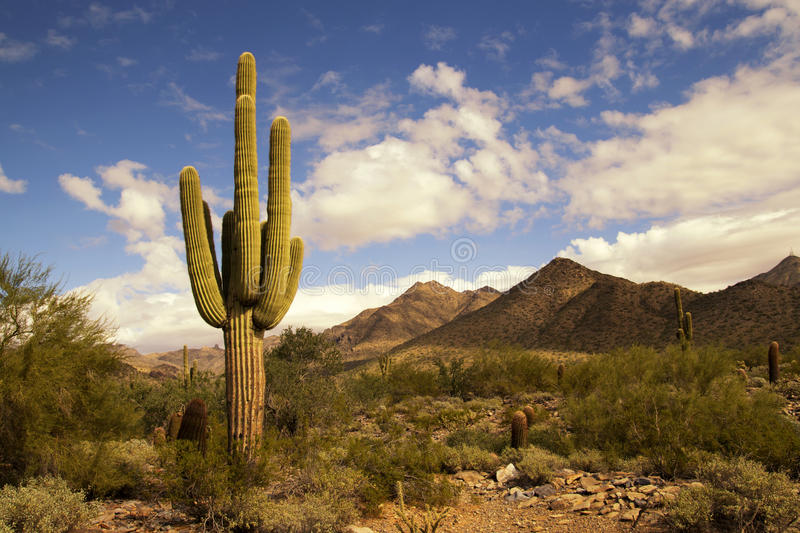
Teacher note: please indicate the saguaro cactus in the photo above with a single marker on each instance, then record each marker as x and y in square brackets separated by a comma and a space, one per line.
[774, 359]
[684, 332]
[260, 264]
[185, 366]
[519, 430]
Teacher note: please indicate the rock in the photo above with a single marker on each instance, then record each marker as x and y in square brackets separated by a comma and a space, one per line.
[583, 505]
[632, 495]
[630, 515]
[588, 482]
[565, 501]
[570, 479]
[622, 482]
[516, 495]
[695, 485]
[506, 474]
[642, 481]
[358, 529]
[543, 491]
[469, 476]
[648, 489]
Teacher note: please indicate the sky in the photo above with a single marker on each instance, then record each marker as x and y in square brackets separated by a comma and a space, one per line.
[466, 142]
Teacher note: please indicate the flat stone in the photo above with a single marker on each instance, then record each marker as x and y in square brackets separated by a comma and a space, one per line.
[469, 476]
[358, 529]
[632, 495]
[630, 515]
[648, 489]
[570, 479]
[621, 482]
[642, 481]
[545, 490]
[587, 482]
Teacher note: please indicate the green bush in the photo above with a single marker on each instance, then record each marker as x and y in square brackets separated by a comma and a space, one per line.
[588, 460]
[508, 370]
[481, 436]
[663, 405]
[737, 495]
[538, 464]
[60, 379]
[466, 457]
[311, 513]
[43, 505]
[110, 468]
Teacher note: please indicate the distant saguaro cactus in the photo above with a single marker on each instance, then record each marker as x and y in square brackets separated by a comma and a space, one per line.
[260, 264]
[684, 333]
[519, 430]
[530, 415]
[193, 371]
[193, 425]
[774, 359]
[560, 372]
[186, 377]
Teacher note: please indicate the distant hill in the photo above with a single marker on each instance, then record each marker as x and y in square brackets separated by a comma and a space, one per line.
[784, 274]
[421, 308]
[566, 306]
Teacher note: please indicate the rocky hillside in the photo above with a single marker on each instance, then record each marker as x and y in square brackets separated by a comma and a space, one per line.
[421, 308]
[784, 274]
[566, 306]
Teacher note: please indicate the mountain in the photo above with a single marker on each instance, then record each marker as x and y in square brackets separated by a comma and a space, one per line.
[422, 307]
[566, 306]
[784, 274]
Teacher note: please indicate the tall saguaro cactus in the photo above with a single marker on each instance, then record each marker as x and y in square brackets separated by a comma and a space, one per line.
[260, 263]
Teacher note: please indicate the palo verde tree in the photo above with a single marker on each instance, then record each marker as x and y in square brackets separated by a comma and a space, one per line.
[59, 375]
[260, 263]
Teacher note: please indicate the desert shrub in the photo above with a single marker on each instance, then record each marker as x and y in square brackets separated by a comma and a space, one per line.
[300, 389]
[505, 370]
[109, 468]
[588, 460]
[312, 513]
[480, 436]
[466, 457]
[43, 505]
[60, 379]
[414, 461]
[453, 376]
[538, 464]
[552, 436]
[664, 405]
[737, 495]
[407, 379]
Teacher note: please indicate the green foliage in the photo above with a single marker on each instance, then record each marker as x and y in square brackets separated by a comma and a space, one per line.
[43, 505]
[538, 464]
[109, 468]
[431, 520]
[468, 457]
[315, 513]
[737, 495]
[60, 380]
[663, 405]
[480, 436]
[300, 387]
[508, 370]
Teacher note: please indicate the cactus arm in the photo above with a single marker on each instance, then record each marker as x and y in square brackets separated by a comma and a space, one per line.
[679, 307]
[247, 244]
[277, 260]
[268, 321]
[199, 259]
[689, 330]
[210, 233]
[228, 228]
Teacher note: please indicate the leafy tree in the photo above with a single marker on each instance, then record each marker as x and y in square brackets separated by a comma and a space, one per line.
[59, 376]
[301, 388]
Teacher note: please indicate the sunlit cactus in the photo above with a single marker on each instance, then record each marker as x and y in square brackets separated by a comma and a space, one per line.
[774, 359]
[173, 425]
[530, 415]
[519, 430]
[260, 263]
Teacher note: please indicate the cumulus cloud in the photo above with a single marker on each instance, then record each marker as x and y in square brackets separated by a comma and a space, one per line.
[7, 185]
[454, 166]
[731, 142]
[704, 253]
[202, 54]
[496, 47]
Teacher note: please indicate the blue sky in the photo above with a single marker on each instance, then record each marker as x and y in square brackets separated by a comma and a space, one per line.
[455, 141]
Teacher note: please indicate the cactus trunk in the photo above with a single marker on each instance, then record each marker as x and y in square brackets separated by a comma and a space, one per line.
[519, 430]
[193, 425]
[260, 263]
[185, 366]
[774, 359]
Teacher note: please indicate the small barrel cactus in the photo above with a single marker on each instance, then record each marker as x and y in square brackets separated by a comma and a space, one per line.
[519, 430]
[530, 415]
[193, 425]
[774, 359]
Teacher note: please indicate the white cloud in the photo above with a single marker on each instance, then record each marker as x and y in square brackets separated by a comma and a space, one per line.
[496, 47]
[330, 79]
[12, 51]
[61, 41]
[641, 26]
[435, 37]
[198, 111]
[703, 253]
[98, 16]
[731, 142]
[452, 167]
[7, 185]
[377, 29]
